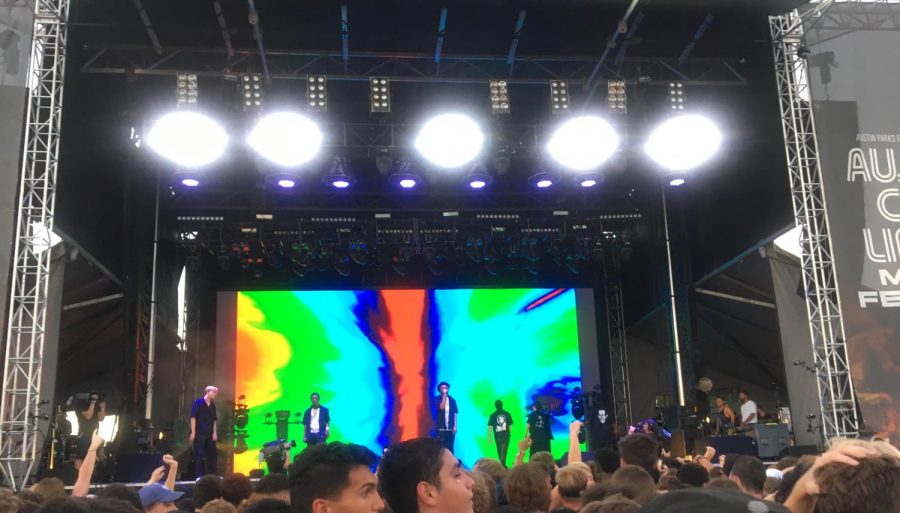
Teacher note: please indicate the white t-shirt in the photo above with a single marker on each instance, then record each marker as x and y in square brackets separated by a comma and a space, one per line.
[748, 408]
[314, 421]
[447, 413]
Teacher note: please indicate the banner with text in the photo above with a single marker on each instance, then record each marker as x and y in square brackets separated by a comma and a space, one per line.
[854, 74]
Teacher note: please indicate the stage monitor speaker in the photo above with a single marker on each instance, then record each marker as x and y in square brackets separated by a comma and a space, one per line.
[772, 440]
[737, 444]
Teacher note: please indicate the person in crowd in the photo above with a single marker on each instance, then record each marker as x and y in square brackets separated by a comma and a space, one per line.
[749, 415]
[204, 434]
[316, 422]
[497, 472]
[640, 450]
[236, 488]
[156, 498]
[484, 492]
[121, 492]
[771, 486]
[334, 478]
[786, 463]
[218, 506]
[268, 506]
[717, 473]
[9, 502]
[169, 469]
[91, 413]
[608, 461]
[528, 487]
[709, 500]
[207, 488]
[272, 486]
[571, 483]
[49, 488]
[545, 460]
[633, 482]
[693, 475]
[614, 504]
[538, 429]
[447, 413]
[722, 482]
[29, 501]
[83, 481]
[423, 476]
[499, 424]
[668, 483]
[750, 474]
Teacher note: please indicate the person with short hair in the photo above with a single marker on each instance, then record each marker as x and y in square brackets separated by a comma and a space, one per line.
[204, 434]
[121, 492]
[334, 478]
[207, 488]
[484, 492]
[423, 476]
[750, 474]
[49, 488]
[273, 486]
[499, 424]
[528, 487]
[633, 482]
[156, 498]
[641, 450]
[447, 413]
[538, 429]
[571, 482]
[749, 411]
[316, 422]
[236, 488]
[218, 506]
[268, 506]
[693, 475]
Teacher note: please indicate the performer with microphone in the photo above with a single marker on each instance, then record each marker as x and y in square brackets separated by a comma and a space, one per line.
[91, 411]
[446, 418]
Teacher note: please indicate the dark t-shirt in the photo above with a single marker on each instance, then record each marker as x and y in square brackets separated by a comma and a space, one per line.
[540, 425]
[500, 421]
[205, 415]
[86, 427]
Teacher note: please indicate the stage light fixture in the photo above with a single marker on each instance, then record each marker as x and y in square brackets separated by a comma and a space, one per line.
[190, 182]
[541, 180]
[286, 183]
[188, 138]
[379, 95]
[251, 90]
[683, 142]
[676, 181]
[559, 97]
[478, 177]
[337, 176]
[499, 96]
[676, 96]
[450, 140]
[583, 143]
[186, 88]
[588, 180]
[287, 139]
[317, 93]
[615, 97]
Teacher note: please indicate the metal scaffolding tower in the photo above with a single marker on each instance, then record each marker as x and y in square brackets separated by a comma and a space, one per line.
[618, 357]
[31, 265]
[836, 395]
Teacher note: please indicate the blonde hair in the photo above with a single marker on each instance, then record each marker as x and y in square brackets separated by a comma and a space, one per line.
[571, 481]
[879, 447]
[210, 388]
[218, 506]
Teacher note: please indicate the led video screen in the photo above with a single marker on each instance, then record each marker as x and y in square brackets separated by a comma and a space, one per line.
[377, 356]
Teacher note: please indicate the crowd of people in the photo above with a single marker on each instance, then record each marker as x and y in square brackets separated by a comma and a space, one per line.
[422, 476]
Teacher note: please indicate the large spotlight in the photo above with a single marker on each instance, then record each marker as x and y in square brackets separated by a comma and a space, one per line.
[583, 143]
[187, 138]
[683, 142]
[450, 140]
[541, 180]
[287, 139]
[338, 176]
[478, 177]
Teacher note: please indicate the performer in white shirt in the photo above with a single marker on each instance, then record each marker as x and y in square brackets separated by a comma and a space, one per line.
[749, 415]
[316, 422]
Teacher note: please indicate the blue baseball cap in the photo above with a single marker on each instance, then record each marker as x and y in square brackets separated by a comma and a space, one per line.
[153, 493]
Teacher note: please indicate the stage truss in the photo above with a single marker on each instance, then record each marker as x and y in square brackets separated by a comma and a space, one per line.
[32, 253]
[618, 356]
[836, 394]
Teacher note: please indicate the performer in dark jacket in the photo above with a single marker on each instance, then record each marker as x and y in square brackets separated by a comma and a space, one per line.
[316, 422]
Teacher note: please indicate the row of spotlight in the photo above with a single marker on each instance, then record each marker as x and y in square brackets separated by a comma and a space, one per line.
[287, 141]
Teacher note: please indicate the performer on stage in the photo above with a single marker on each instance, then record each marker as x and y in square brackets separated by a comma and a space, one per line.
[203, 433]
[602, 431]
[90, 413]
[539, 429]
[498, 430]
[726, 418]
[316, 422]
[446, 415]
[749, 414]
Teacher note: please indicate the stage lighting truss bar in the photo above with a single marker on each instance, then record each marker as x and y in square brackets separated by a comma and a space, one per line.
[29, 277]
[837, 397]
[618, 351]
[136, 60]
[858, 15]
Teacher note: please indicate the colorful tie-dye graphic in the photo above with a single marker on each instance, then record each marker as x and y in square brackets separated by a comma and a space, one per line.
[376, 357]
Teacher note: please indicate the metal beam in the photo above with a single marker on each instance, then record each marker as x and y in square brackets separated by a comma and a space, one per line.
[94, 301]
[621, 28]
[137, 60]
[514, 44]
[735, 298]
[623, 49]
[345, 37]
[439, 44]
[697, 36]
[223, 28]
[253, 18]
[145, 19]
